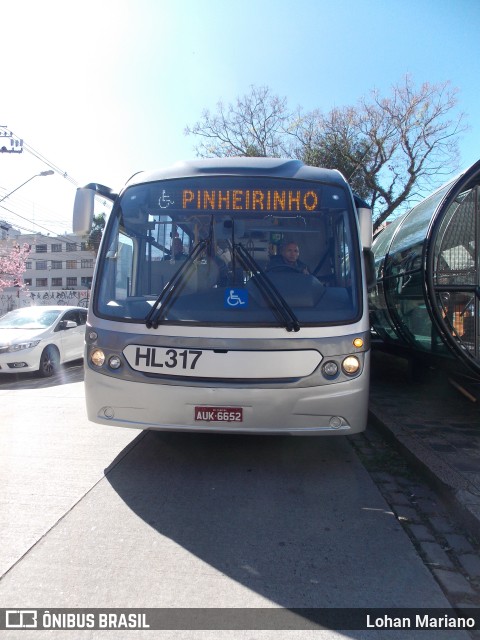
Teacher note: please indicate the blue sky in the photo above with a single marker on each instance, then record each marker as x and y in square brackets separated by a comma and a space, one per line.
[104, 88]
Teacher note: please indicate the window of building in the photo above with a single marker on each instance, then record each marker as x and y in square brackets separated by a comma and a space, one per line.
[41, 248]
[28, 264]
[57, 282]
[86, 282]
[41, 282]
[41, 264]
[27, 282]
[71, 282]
[71, 246]
[56, 248]
[56, 264]
[71, 264]
[87, 264]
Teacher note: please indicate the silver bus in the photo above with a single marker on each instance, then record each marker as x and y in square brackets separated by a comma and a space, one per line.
[230, 296]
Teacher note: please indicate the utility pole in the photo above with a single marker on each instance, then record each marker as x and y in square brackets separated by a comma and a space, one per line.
[9, 143]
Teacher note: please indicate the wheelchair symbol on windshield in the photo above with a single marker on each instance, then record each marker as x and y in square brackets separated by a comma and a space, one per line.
[236, 298]
[164, 201]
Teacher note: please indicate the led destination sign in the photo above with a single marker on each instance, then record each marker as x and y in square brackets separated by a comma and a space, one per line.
[287, 200]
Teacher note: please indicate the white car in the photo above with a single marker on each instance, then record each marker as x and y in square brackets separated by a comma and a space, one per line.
[41, 338]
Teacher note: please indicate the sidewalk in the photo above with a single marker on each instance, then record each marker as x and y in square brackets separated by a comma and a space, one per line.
[436, 426]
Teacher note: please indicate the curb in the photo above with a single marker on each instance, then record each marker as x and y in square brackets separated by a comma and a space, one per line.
[453, 488]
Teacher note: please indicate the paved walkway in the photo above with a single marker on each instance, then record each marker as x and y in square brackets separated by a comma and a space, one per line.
[436, 426]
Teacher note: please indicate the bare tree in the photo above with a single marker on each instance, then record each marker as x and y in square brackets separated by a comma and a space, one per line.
[253, 126]
[332, 142]
[412, 143]
[391, 149]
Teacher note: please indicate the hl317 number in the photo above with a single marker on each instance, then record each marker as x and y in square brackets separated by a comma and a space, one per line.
[184, 357]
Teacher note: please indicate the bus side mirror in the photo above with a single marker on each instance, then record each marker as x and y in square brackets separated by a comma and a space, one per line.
[366, 227]
[83, 211]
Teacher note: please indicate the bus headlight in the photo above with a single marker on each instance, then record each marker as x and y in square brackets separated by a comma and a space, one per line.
[351, 365]
[97, 357]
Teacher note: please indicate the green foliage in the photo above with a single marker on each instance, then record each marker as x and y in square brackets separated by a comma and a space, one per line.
[96, 233]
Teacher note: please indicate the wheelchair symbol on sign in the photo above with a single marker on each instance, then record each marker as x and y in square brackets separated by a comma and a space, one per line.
[164, 201]
[236, 298]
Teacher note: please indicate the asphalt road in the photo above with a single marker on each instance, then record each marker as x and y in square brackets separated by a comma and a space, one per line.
[106, 517]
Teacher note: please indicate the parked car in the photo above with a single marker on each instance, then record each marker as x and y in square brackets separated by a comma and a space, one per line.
[41, 338]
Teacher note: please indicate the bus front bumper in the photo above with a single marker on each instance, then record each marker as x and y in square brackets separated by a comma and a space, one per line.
[325, 410]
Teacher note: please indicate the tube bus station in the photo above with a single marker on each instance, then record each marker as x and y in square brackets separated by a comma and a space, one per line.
[426, 304]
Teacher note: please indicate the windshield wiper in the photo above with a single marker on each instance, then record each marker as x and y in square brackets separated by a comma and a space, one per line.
[157, 312]
[269, 291]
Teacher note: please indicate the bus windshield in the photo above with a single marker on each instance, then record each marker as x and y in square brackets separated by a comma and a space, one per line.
[231, 251]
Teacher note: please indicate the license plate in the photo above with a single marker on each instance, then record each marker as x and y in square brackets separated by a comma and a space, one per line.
[218, 414]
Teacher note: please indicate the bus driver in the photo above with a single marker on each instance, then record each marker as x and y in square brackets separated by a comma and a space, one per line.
[289, 257]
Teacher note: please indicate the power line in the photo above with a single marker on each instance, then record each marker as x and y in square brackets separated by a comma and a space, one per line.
[56, 235]
[55, 206]
[57, 169]
[42, 158]
[36, 214]
[39, 214]
[52, 166]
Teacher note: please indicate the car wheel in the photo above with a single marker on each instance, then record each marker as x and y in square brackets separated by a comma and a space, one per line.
[49, 362]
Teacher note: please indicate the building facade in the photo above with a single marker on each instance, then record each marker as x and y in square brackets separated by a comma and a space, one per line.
[54, 262]
[59, 270]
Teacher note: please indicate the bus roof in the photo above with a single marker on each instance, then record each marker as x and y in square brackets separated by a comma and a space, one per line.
[271, 167]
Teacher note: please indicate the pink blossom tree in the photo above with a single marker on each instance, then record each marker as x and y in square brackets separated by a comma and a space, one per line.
[12, 267]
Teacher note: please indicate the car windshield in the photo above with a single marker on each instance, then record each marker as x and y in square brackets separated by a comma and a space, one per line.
[29, 319]
[230, 251]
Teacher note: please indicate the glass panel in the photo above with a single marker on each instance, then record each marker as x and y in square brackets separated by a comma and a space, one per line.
[231, 250]
[398, 252]
[458, 310]
[415, 224]
[455, 248]
[117, 267]
[31, 318]
[381, 244]
[418, 324]
[379, 315]
[404, 262]
[407, 306]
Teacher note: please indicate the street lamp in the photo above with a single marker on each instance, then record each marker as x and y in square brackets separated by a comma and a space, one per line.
[49, 172]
